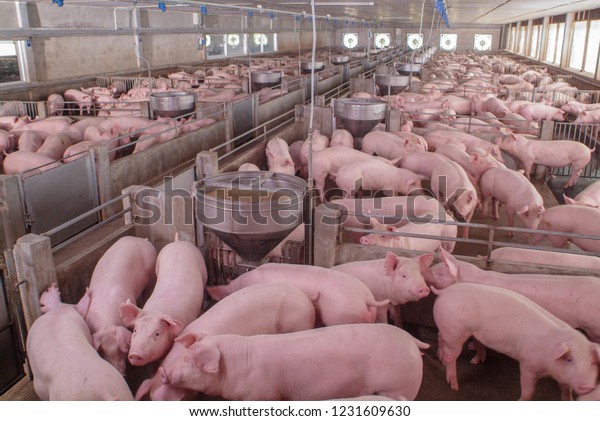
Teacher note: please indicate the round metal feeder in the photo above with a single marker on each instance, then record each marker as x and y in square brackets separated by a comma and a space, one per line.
[392, 84]
[172, 104]
[340, 59]
[265, 79]
[405, 69]
[359, 116]
[307, 66]
[250, 211]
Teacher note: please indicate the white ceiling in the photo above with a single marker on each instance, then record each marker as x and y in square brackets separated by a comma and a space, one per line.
[401, 12]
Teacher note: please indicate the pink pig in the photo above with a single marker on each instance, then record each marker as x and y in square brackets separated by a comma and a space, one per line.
[514, 325]
[343, 138]
[390, 240]
[121, 274]
[590, 196]
[30, 141]
[543, 257]
[387, 145]
[55, 145]
[536, 112]
[378, 176]
[353, 360]
[573, 299]
[64, 364]
[175, 302]
[254, 310]
[396, 278]
[511, 188]
[56, 105]
[588, 117]
[570, 219]
[451, 186]
[555, 153]
[278, 157]
[21, 161]
[338, 298]
[81, 99]
[329, 161]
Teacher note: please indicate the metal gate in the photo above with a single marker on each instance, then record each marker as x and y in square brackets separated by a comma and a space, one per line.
[12, 366]
[60, 194]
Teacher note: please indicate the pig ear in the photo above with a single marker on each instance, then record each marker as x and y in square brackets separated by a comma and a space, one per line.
[540, 210]
[390, 264]
[288, 163]
[175, 326]
[96, 341]
[144, 389]
[568, 200]
[269, 153]
[425, 260]
[129, 312]
[187, 340]
[123, 339]
[450, 262]
[562, 351]
[83, 305]
[474, 157]
[207, 358]
[523, 210]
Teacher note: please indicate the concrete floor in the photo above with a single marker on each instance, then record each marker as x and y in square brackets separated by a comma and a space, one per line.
[496, 379]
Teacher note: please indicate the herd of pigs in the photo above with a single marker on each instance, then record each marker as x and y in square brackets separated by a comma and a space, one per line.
[294, 332]
[43, 144]
[297, 332]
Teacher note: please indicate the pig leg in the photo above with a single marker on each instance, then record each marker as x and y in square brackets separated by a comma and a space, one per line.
[527, 169]
[495, 213]
[575, 173]
[528, 381]
[480, 352]
[566, 393]
[448, 353]
[510, 217]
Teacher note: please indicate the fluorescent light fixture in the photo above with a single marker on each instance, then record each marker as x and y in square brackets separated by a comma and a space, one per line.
[347, 3]
[343, 3]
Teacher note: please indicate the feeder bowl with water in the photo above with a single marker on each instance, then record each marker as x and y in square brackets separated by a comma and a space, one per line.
[265, 79]
[307, 66]
[390, 83]
[172, 104]
[250, 211]
[359, 116]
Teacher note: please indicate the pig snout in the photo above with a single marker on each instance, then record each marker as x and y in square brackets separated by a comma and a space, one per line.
[422, 292]
[365, 241]
[136, 359]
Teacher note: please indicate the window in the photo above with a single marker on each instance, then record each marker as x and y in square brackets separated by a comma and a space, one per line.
[482, 42]
[591, 56]
[9, 63]
[512, 35]
[382, 40]
[414, 41]
[522, 36]
[579, 35]
[448, 42]
[535, 33]
[559, 42]
[551, 48]
[350, 40]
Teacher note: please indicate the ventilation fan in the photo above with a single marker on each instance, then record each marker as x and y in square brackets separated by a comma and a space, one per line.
[233, 40]
[350, 40]
[483, 42]
[448, 42]
[382, 40]
[414, 41]
[260, 39]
